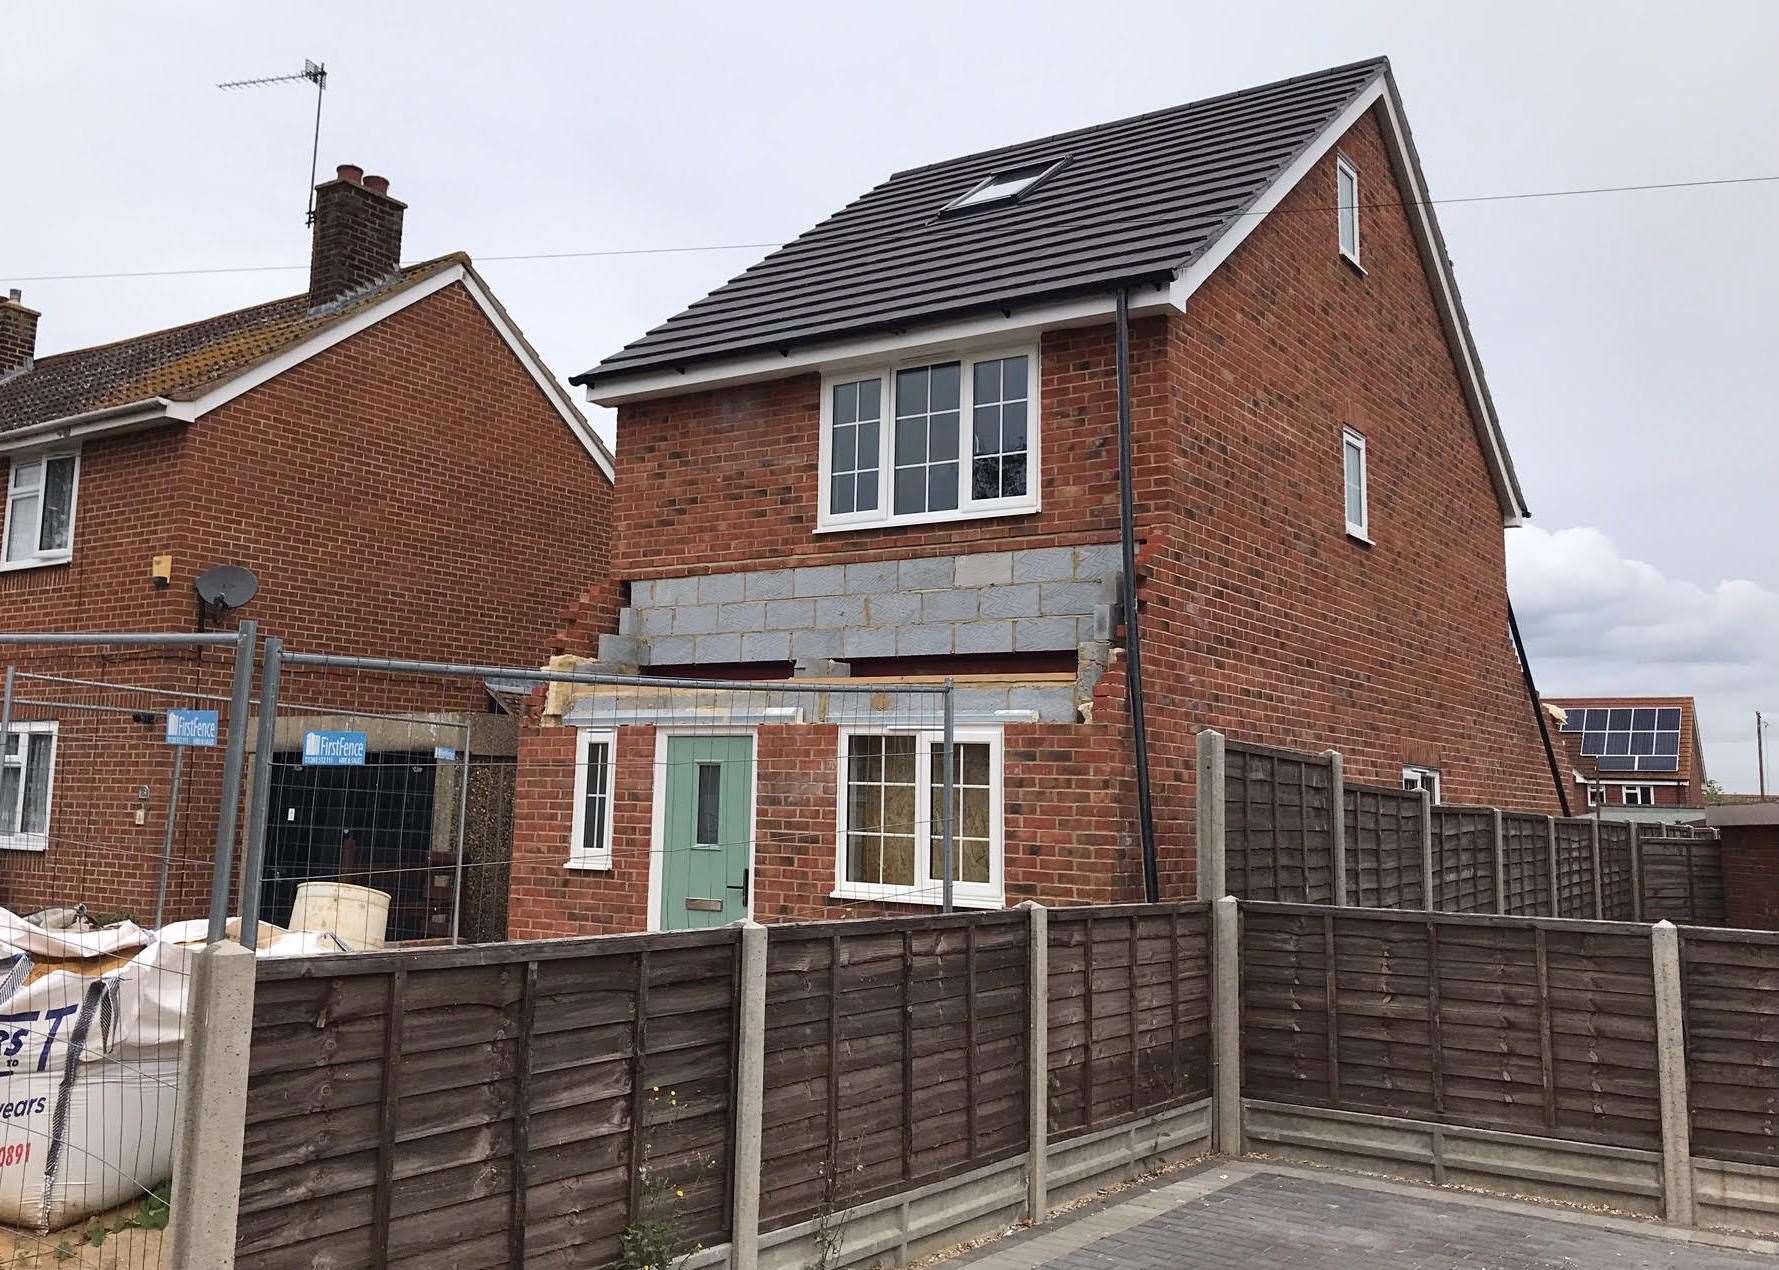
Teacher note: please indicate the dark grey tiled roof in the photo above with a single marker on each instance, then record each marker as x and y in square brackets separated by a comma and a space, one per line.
[1135, 200]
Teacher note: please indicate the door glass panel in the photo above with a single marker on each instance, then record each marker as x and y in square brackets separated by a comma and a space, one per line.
[37, 771]
[710, 802]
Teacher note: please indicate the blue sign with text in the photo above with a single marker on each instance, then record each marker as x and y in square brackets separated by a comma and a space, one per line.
[334, 749]
[191, 727]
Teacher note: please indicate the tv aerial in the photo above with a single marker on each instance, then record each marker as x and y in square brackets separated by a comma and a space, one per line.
[223, 588]
[313, 73]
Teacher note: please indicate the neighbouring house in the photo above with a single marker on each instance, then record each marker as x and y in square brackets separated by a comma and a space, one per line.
[403, 475]
[1639, 754]
[891, 450]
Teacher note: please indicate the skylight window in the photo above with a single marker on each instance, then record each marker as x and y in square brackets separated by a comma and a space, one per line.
[1003, 186]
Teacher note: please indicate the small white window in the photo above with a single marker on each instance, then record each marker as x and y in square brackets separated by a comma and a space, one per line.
[590, 847]
[40, 494]
[1422, 778]
[1004, 186]
[1357, 482]
[1639, 795]
[1596, 795]
[1346, 178]
[891, 818]
[27, 779]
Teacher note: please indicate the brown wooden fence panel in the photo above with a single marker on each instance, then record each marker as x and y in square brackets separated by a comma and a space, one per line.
[1526, 853]
[895, 1055]
[1098, 1078]
[1279, 840]
[1383, 842]
[483, 1100]
[1730, 991]
[1682, 879]
[1618, 884]
[1492, 1022]
[1575, 867]
[1464, 859]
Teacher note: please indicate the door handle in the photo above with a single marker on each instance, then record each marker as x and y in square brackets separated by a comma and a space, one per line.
[744, 884]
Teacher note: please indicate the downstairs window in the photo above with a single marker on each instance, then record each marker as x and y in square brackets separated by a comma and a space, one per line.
[27, 773]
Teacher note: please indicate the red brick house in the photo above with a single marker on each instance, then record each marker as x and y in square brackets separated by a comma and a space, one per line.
[384, 450]
[891, 449]
[1641, 754]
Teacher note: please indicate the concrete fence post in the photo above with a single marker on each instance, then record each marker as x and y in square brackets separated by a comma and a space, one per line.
[1500, 833]
[1212, 816]
[1550, 828]
[210, 1123]
[1226, 1023]
[750, 1098]
[1636, 872]
[1599, 885]
[1337, 801]
[1670, 1042]
[1037, 1062]
[1429, 895]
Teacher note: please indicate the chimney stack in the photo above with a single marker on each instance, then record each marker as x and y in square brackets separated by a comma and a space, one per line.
[18, 334]
[358, 235]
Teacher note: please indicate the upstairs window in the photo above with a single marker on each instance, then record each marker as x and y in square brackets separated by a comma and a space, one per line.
[946, 440]
[1346, 184]
[1639, 795]
[1357, 485]
[40, 509]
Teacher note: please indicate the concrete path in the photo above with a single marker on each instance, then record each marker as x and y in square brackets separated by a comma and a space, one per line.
[1252, 1214]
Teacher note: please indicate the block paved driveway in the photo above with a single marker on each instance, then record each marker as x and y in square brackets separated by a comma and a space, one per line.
[1253, 1214]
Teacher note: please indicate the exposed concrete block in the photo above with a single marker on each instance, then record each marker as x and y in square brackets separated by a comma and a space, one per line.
[1103, 622]
[670, 650]
[766, 646]
[1010, 601]
[774, 584]
[749, 615]
[675, 591]
[979, 700]
[820, 668]
[1054, 703]
[950, 605]
[815, 643]
[935, 573]
[1098, 560]
[1045, 634]
[642, 594]
[1088, 628]
[840, 610]
[623, 650]
[1047, 564]
[893, 608]
[707, 649]
[923, 641]
[987, 568]
[827, 579]
[789, 615]
[871, 577]
[1070, 599]
[626, 621]
[653, 622]
[983, 637]
[1091, 660]
[695, 619]
[868, 641]
[720, 588]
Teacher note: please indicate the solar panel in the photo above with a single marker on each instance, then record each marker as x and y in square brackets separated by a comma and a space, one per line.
[1629, 738]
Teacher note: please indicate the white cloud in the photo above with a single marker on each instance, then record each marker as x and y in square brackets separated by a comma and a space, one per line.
[1596, 622]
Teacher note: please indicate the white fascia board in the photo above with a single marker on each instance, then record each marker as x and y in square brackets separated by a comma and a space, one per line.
[124, 418]
[946, 337]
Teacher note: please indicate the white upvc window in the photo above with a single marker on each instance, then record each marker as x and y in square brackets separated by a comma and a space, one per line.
[1346, 185]
[1426, 778]
[27, 786]
[40, 495]
[891, 838]
[942, 439]
[1639, 795]
[1356, 481]
[1596, 794]
[590, 843]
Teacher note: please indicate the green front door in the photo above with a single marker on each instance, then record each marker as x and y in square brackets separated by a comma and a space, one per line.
[707, 840]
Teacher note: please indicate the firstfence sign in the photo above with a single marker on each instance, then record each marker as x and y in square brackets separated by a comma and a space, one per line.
[191, 727]
[334, 749]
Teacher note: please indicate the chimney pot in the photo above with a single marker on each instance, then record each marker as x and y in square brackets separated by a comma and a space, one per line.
[377, 184]
[357, 239]
[350, 172]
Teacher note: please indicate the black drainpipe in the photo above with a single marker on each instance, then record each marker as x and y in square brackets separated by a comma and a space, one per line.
[1133, 643]
[1550, 751]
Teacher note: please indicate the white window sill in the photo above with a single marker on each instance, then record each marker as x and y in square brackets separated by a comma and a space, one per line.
[928, 518]
[38, 562]
[1360, 536]
[1353, 260]
[958, 899]
[588, 866]
[33, 842]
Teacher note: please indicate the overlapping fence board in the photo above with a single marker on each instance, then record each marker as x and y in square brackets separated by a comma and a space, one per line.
[1618, 877]
[1529, 1026]
[1279, 837]
[895, 1055]
[1526, 856]
[1575, 867]
[1464, 859]
[482, 1100]
[1099, 1076]
[1730, 994]
[1682, 879]
[1383, 843]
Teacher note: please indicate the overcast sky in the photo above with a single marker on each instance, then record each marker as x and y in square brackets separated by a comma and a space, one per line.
[1625, 336]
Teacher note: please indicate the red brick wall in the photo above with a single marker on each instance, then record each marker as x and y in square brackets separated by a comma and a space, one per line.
[410, 492]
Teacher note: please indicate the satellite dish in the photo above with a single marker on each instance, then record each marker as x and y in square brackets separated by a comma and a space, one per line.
[226, 586]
